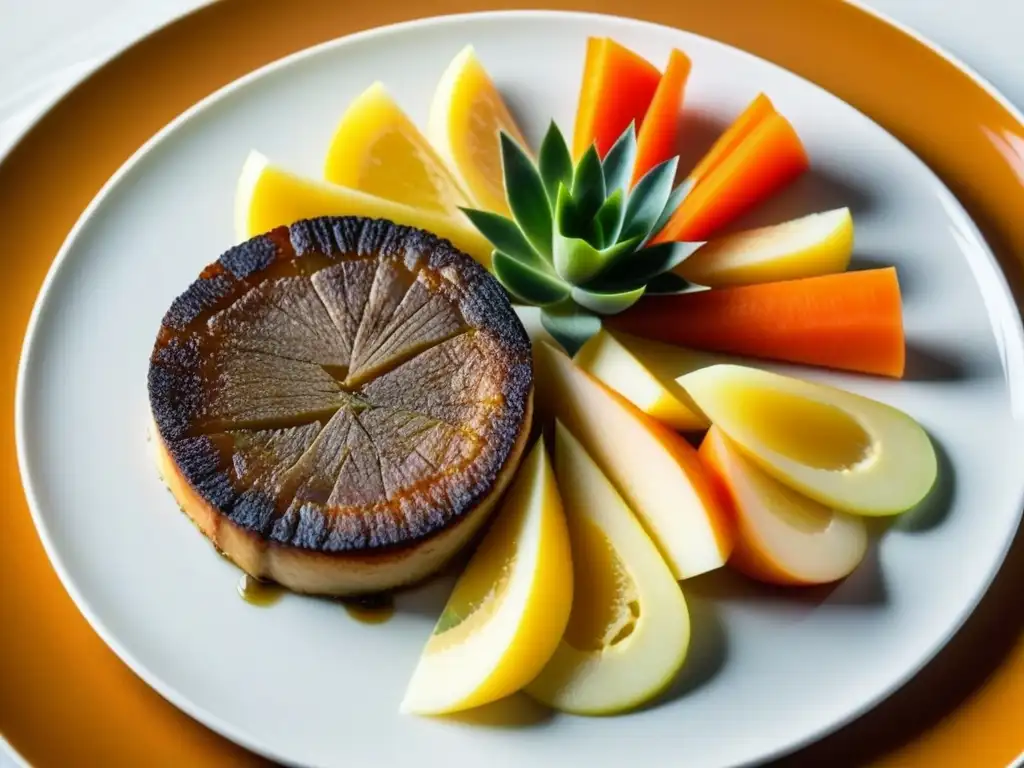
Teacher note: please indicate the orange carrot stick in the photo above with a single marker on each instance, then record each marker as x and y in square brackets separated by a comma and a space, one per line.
[757, 111]
[850, 321]
[770, 157]
[656, 141]
[617, 89]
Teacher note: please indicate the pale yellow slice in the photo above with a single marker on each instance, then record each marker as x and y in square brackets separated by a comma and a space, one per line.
[629, 629]
[645, 372]
[655, 469]
[842, 450]
[377, 149]
[466, 116]
[269, 196]
[510, 606]
[819, 244]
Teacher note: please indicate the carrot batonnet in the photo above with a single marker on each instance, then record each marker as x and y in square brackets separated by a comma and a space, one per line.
[768, 158]
[656, 141]
[849, 321]
[617, 89]
[758, 110]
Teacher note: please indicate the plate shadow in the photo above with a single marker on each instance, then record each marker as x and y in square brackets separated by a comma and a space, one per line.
[516, 711]
[927, 362]
[707, 655]
[697, 132]
[815, 191]
[865, 586]
[985, 641]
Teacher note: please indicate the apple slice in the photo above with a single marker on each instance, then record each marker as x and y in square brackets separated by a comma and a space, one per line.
[509, 608]
[819, 244]
[644, 372]
[782, 536]
[843, 450]
[629, 629]
[657, 472]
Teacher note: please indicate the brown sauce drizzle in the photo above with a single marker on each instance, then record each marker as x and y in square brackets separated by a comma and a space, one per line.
[259, 593]
[370, 609]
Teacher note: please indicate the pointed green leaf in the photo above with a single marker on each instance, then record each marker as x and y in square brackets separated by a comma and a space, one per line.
[675, 199]
[606, 303]
[568, 222]
[588, 188]
[609, 217]
[577, 261]
[526, 196]
[637, 269]
[505, 236]
[668, 283]
[647, 201]
[527, 284]
[620, 250]
[555, 163]
[618, 163]
[570, 324]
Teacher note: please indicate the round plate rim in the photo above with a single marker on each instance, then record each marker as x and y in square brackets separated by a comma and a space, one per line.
[169, 692]
[943, 52]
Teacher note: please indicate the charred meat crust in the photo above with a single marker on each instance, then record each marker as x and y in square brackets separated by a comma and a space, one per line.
[180, 379]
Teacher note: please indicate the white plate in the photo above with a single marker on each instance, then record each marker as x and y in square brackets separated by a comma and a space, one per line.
[304, 682]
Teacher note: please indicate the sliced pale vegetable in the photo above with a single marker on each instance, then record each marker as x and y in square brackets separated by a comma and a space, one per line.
[466, 117]
[657, 472]
[268, 196]
[629, 628]
[645, 372]
[842, 450]
[767, 158]
[617, 88]
[850, 321]
[377, 149]
[660, 127]
[509, 608]
[782, 537]
[819, 244]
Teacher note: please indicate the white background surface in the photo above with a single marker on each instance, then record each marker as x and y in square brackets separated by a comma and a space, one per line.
[45, 45]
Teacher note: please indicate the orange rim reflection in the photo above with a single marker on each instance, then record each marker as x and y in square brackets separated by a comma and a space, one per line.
[67, 700]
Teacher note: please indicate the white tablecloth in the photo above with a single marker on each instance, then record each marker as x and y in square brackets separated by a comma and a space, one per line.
[47, 45]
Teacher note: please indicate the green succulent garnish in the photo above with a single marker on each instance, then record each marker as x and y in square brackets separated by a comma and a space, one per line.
[578, 243]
